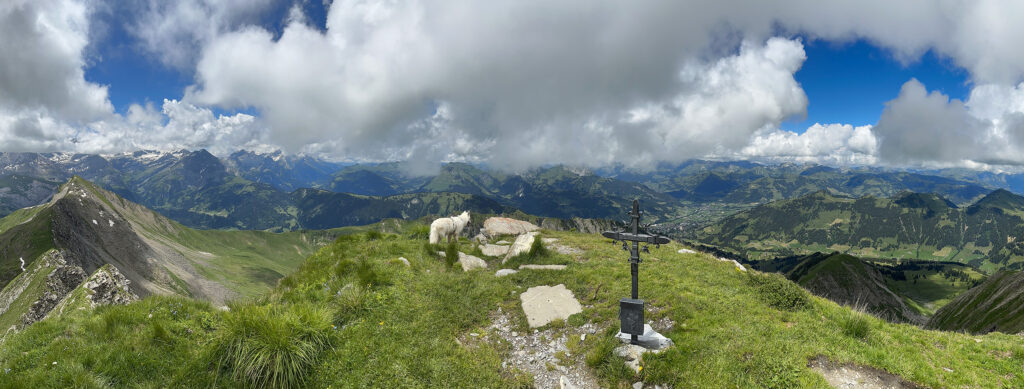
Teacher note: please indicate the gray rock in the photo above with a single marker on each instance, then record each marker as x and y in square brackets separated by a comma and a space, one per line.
[470, 262]
[495, 226]
[638, 385]
[505, 272]
[493, 250]
[405, 261]
[549, 240]
[522, 245]
[542, 267]
[542, 304]
[650, 340]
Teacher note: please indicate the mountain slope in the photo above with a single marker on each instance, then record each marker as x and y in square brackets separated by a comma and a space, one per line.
[850, 281]
[352, 314]
[995, 305]
[89, 228]
[741, 182]
[910, 225]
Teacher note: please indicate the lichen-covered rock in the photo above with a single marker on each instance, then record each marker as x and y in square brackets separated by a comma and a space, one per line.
[495, 226]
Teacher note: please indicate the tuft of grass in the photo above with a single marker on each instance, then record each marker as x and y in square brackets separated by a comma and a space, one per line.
[373, 235]
[778, 292]
[272, 346]
[856, 325]
[369, 275]
[420, 232]
[451, 254]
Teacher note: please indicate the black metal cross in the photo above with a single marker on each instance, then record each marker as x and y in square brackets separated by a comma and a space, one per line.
[631, 310]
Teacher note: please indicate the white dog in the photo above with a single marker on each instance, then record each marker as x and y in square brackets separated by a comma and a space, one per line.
[448, 227]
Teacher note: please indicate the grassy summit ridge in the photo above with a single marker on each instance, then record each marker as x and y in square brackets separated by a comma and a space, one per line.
[354, 316]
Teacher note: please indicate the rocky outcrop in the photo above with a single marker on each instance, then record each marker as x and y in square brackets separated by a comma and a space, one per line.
[61, 281]
[495, 226]
[107, 286]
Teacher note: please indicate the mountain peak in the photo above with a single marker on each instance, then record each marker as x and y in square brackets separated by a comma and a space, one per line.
[1001, 199]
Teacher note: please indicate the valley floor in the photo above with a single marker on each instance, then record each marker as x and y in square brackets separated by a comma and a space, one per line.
[354, 315]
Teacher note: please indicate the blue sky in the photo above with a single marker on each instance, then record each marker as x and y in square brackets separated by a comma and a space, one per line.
[850, 82]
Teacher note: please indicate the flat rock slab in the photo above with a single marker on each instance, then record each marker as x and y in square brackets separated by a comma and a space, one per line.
[542, 267]
[549, 240]
[495, 226]
[543, 304]
[522, 245]
[470, 262]
[687, 251]
[493, 250]
[505, 272]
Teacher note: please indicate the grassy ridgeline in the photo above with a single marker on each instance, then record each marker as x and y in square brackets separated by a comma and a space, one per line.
[354, 316]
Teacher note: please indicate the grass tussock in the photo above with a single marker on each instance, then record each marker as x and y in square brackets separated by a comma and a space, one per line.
[272, 346]
[777, 291]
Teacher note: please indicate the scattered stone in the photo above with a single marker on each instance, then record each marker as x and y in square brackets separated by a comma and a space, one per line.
[493, 250]
[405, 261]
[564, 383]
[495, 226]
[503, 242]
[638, 385]
[687, 251]
[549, 240]
[470, 262]
[505, 272]
[542, 267]
[543, 304]
[480, 238]
[650, 340]
[522, 244]
[534, 354]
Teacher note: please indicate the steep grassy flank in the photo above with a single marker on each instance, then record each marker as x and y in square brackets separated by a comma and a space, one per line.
[18, 295]
[850, 281]
[995, 305]
[353, 316]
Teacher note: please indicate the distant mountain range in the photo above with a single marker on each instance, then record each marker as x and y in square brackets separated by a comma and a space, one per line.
[248, 190]
[986, 234]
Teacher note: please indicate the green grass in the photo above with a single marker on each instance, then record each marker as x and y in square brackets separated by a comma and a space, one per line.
[396, 326]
